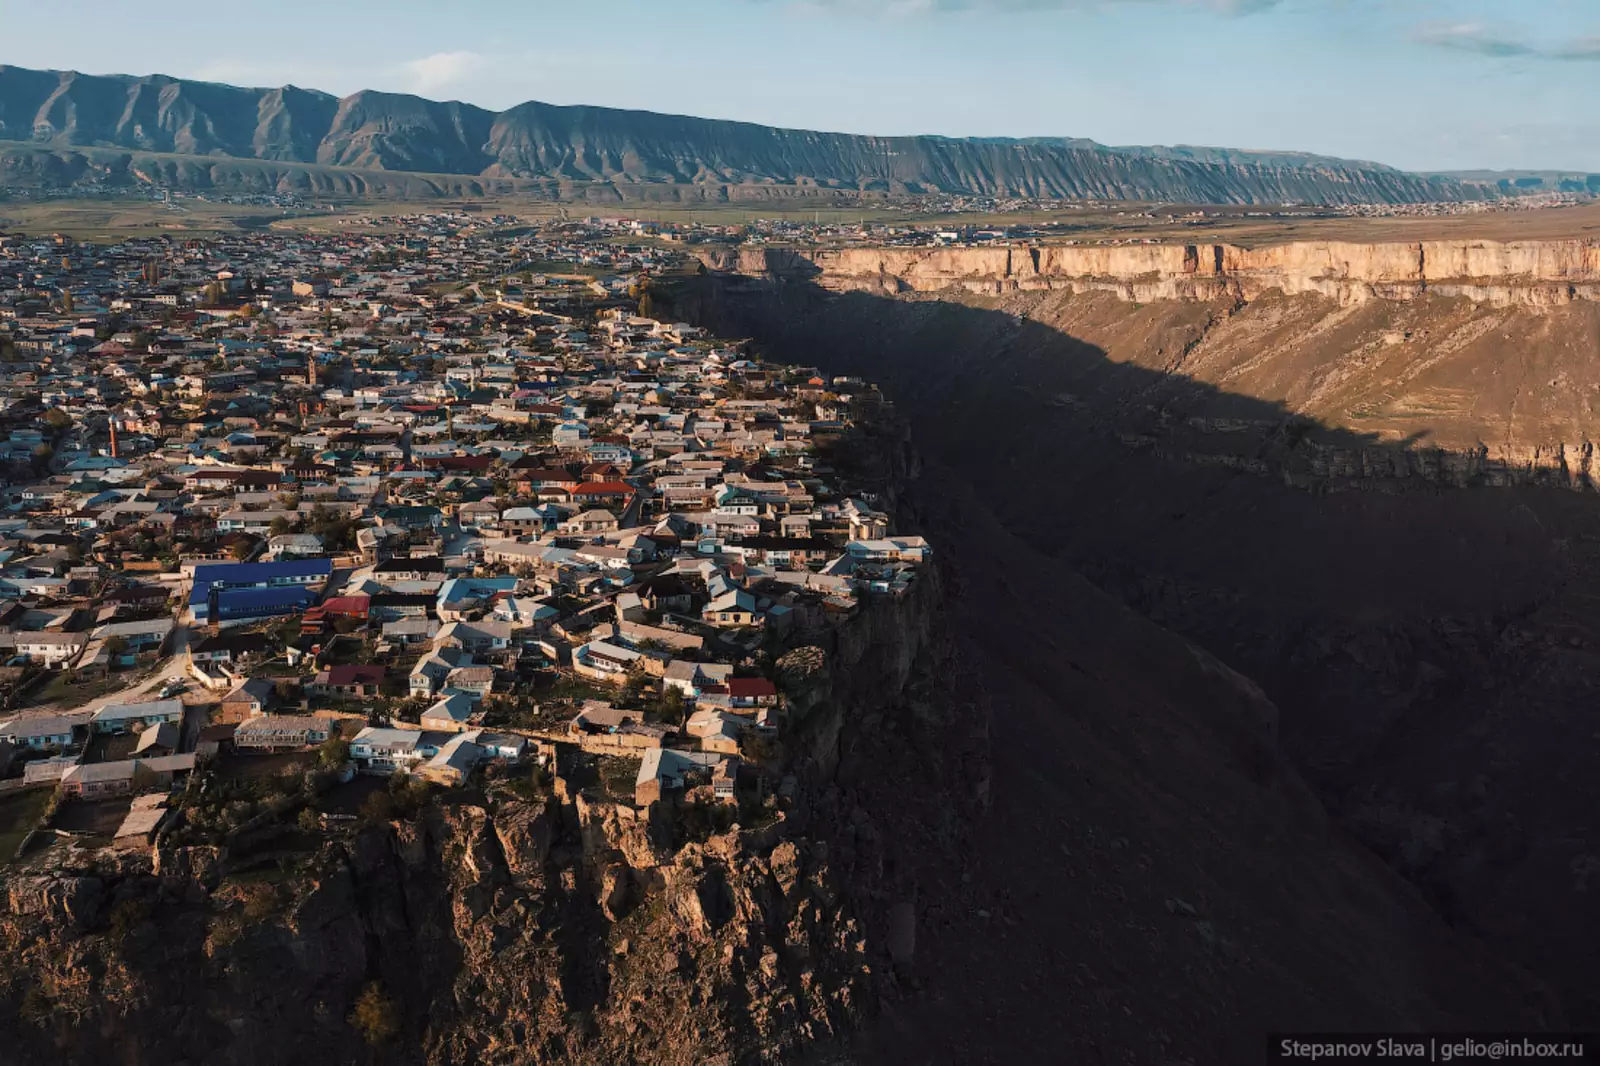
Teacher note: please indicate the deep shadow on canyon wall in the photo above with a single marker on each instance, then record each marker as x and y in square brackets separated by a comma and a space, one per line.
[1430, 643]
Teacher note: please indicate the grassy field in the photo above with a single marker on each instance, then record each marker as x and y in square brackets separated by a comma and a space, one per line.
[103, 220]
[19, 813]
[66, 694]
[100, 219]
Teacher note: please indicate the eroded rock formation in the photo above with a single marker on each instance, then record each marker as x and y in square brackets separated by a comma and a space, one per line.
[1521, 273]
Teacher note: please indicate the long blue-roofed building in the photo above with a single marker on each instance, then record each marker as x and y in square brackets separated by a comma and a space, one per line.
[232, 592]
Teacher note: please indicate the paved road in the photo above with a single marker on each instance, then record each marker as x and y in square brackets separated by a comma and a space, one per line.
[630, 516]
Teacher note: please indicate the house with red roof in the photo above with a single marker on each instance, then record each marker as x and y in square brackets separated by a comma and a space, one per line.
[351, 681]
[751, 692]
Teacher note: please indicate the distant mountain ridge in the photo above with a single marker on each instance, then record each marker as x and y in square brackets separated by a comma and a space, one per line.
[77, 117]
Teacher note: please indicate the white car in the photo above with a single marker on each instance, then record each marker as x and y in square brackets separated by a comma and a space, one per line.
[172, 688]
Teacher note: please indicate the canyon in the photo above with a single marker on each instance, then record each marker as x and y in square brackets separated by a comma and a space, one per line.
[1357, 474]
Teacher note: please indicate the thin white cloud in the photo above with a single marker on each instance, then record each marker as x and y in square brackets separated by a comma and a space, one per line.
[1474, 38]
[442, 70]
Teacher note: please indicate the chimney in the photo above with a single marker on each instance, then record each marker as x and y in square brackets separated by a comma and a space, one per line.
[311, 369]
[113, 438]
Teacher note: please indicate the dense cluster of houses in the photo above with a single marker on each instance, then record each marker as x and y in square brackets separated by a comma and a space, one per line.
[412, 492]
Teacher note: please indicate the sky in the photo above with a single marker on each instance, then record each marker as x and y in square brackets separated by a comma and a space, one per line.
[1419, 84]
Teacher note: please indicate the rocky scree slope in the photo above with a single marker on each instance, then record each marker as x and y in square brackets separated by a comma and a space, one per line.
[372, 131]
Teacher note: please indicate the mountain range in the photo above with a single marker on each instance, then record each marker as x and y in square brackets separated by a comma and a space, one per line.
[63, 128]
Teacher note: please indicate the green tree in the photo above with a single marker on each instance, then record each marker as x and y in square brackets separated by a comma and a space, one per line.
[647, 306]
[671, 706]
[333, 753]
[279, 526]
[57, 419]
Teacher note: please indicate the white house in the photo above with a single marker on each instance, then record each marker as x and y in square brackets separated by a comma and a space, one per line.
[122, 717]
[39, 732]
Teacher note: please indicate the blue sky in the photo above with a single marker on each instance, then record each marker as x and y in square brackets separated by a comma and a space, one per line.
[1423, 84]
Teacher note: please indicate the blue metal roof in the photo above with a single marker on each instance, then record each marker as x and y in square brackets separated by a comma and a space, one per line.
[238, 603]
[231, 575]
[253, 573]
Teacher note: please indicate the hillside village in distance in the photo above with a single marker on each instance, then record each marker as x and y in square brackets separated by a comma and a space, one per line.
[304, 528]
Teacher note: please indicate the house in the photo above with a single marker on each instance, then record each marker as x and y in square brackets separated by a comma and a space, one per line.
[692, 679]
[751, 692]
[213, 738]
[603, 494]
[107, 780]
[51, 650]
[457, 757]
[408, 632]
[104, 780]
[352, 607]
[276, 732]
[454, 762]
[352, 681]
[890, 550]
[570, 435]
[477, 637]
[590, 523]
[601, 661]
[520, 521]
[523, 610]
[433, 668]
[158, 740]
[736, 607]
[229, 648]
[148, 638]
[145, 815]
[452, 714]
[131, 717]
[40, 732]
[459, 597]
[718, 731]
[380, 750]
[250, 699]
[664, 771]
[474, 682]
[293, 546]
[598, 717]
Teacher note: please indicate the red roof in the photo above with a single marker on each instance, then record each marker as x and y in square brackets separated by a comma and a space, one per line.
[750, 688]
[347, 604]
[604, 488]
[460, 462]
[355, 675]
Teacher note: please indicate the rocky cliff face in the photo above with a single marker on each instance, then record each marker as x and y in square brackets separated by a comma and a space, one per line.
[1367, 509]
[392, 132]
[1519, 273]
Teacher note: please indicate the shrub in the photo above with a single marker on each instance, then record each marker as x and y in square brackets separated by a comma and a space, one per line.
[375, 1016]
[333, 753]
[379, 807]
